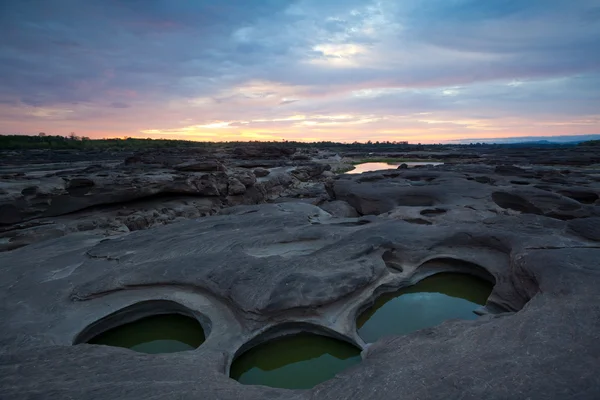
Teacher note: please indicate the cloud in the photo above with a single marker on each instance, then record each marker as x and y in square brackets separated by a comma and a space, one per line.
[161, 66]
[287, 101]
[118, 104]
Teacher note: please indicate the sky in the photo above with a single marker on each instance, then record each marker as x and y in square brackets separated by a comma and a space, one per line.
[342, 70]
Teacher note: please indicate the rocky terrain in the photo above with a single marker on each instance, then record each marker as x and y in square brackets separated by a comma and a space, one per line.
[284, 245]
[581, 156]
[46, 200]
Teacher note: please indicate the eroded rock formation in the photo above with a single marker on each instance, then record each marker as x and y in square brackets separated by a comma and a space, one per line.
[256, 271]
[146, 190]
[280, 266]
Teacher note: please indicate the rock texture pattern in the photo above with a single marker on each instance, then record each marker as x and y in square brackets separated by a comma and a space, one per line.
[259, 271]
[146, 190]
[253, 272]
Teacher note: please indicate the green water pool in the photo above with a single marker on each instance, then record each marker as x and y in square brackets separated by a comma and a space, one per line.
[428, 303]
[294, 362]
[167, 333]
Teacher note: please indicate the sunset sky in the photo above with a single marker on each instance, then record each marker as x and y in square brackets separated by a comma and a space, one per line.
[343, 70]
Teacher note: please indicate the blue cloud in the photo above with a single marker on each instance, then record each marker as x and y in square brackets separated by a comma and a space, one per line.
[118, 104]
[474, 10]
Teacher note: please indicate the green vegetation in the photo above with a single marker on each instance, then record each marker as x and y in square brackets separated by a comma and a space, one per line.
[55, 142]
[74, 142]
[22, 142]
[590, 143]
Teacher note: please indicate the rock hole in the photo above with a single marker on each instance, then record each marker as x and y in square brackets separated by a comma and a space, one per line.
[485, 180]
[392, 260]
[428, 303]
[514, 202]
[581, 196]
[168, 333]
[432, 212]
[418, 221]
[415, 200]
[295, 361]
[151, 327]
[29, 191]
[417, 178]
[358, 222]
[79, 187]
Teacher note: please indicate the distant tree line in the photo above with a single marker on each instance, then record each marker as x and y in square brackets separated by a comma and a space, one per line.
[74, 142]
[55, 142]
[590, 143]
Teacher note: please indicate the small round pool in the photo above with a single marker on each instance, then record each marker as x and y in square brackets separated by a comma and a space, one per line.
[298, 361]
[168, 333]
[428, 303]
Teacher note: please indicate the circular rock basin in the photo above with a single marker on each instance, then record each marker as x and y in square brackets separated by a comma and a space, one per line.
[294, 362]
[428, 303]
[168, 333]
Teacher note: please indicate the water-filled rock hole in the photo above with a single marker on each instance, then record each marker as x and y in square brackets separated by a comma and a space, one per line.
[428, 303]
[378, 166]
[298, 361]
[166, 333]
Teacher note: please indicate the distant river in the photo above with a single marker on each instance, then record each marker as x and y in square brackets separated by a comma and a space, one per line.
[377, 166]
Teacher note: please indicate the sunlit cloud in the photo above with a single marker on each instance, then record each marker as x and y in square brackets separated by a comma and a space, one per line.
[451, 92]
[218, 125]
[339, 55]
[48, 112]
[515, 83]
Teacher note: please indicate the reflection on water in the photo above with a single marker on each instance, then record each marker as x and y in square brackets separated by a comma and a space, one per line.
[428, 303]
[378, 166]
[294, 362]
[168, 333]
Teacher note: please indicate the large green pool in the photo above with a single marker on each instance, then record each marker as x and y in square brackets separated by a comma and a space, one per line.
[167, 333]
[428, 303]
[294, 362]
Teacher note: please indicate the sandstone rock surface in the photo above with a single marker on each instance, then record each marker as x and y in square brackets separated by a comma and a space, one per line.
[210, 165]
[468, 188]
[282, 266]
[339, 208]
[261, 172]
[76, 252]
[148, 189]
